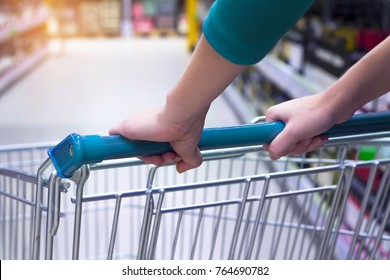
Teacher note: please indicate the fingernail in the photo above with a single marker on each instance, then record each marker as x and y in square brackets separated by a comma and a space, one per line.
[273, 156]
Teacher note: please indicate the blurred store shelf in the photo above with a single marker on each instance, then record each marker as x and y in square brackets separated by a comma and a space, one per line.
[19, 25]
[23, 38]
[21, 68]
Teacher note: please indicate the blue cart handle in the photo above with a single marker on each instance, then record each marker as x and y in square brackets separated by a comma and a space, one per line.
[76, 150]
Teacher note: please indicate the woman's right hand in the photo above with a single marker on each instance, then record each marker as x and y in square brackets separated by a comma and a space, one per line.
[162, 126]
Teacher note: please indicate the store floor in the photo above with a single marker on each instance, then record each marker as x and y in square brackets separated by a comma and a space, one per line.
[88, 85]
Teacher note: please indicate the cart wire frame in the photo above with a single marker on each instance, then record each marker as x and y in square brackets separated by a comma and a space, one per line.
[326, 204]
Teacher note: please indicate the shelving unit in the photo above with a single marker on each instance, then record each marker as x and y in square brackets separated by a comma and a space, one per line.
[23, 40]
[306, 62]
[20, 25]
[21, 68]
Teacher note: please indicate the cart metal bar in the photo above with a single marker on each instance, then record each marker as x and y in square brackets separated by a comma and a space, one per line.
[27, 202]
[17, 198]
[36, 237]
[363, 138]
[207, 156]
[276, 242]
[258, 216]
[197, 229]
[338, 199]
[27, 147]
[262, 230]
[378, 204]
[176, 236]
[228, 181]
[80, 179]
[24, 176]
[215, 231]
[56, 208]
[114, 227]
[249, 199]
[145, 228]
[52, 217]
[380, 232]
[156, 226]
[345, 232]
[364, 203]
[95, 198]
[240, 215]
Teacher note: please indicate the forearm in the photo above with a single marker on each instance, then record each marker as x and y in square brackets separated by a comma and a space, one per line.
[235, 35]
[205, 78]
[363, 82]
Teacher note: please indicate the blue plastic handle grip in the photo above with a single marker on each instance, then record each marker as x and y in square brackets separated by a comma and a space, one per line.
[76, 150]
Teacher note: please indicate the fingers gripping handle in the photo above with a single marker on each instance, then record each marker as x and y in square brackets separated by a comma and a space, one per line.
[76, 150]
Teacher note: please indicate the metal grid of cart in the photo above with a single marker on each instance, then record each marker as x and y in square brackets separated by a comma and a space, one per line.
[333, 203]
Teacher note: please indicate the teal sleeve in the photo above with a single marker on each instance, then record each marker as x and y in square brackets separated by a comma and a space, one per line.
[245, 31]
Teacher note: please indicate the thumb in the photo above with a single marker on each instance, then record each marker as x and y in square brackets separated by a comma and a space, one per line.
[190, 161]
[283, 143]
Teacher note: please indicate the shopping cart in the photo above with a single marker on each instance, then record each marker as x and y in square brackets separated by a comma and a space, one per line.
[332, 203]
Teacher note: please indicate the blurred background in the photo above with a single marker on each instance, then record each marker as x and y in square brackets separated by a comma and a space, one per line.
[84, 65]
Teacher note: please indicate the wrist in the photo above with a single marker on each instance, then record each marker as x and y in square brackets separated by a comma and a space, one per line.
[182, 110]
[337, 104]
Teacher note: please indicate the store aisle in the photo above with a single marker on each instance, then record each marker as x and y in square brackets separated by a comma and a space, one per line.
[88, 85]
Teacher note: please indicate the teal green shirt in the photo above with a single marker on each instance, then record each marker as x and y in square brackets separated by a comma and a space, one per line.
[244, 31]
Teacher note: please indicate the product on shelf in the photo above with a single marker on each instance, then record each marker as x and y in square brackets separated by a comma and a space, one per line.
[156, 17]
[336, 34]
[99, 17]
[87, 17]
[143, 26]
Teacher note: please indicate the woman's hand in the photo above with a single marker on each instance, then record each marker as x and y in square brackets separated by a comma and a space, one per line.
[305, 118]
[160, 125]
